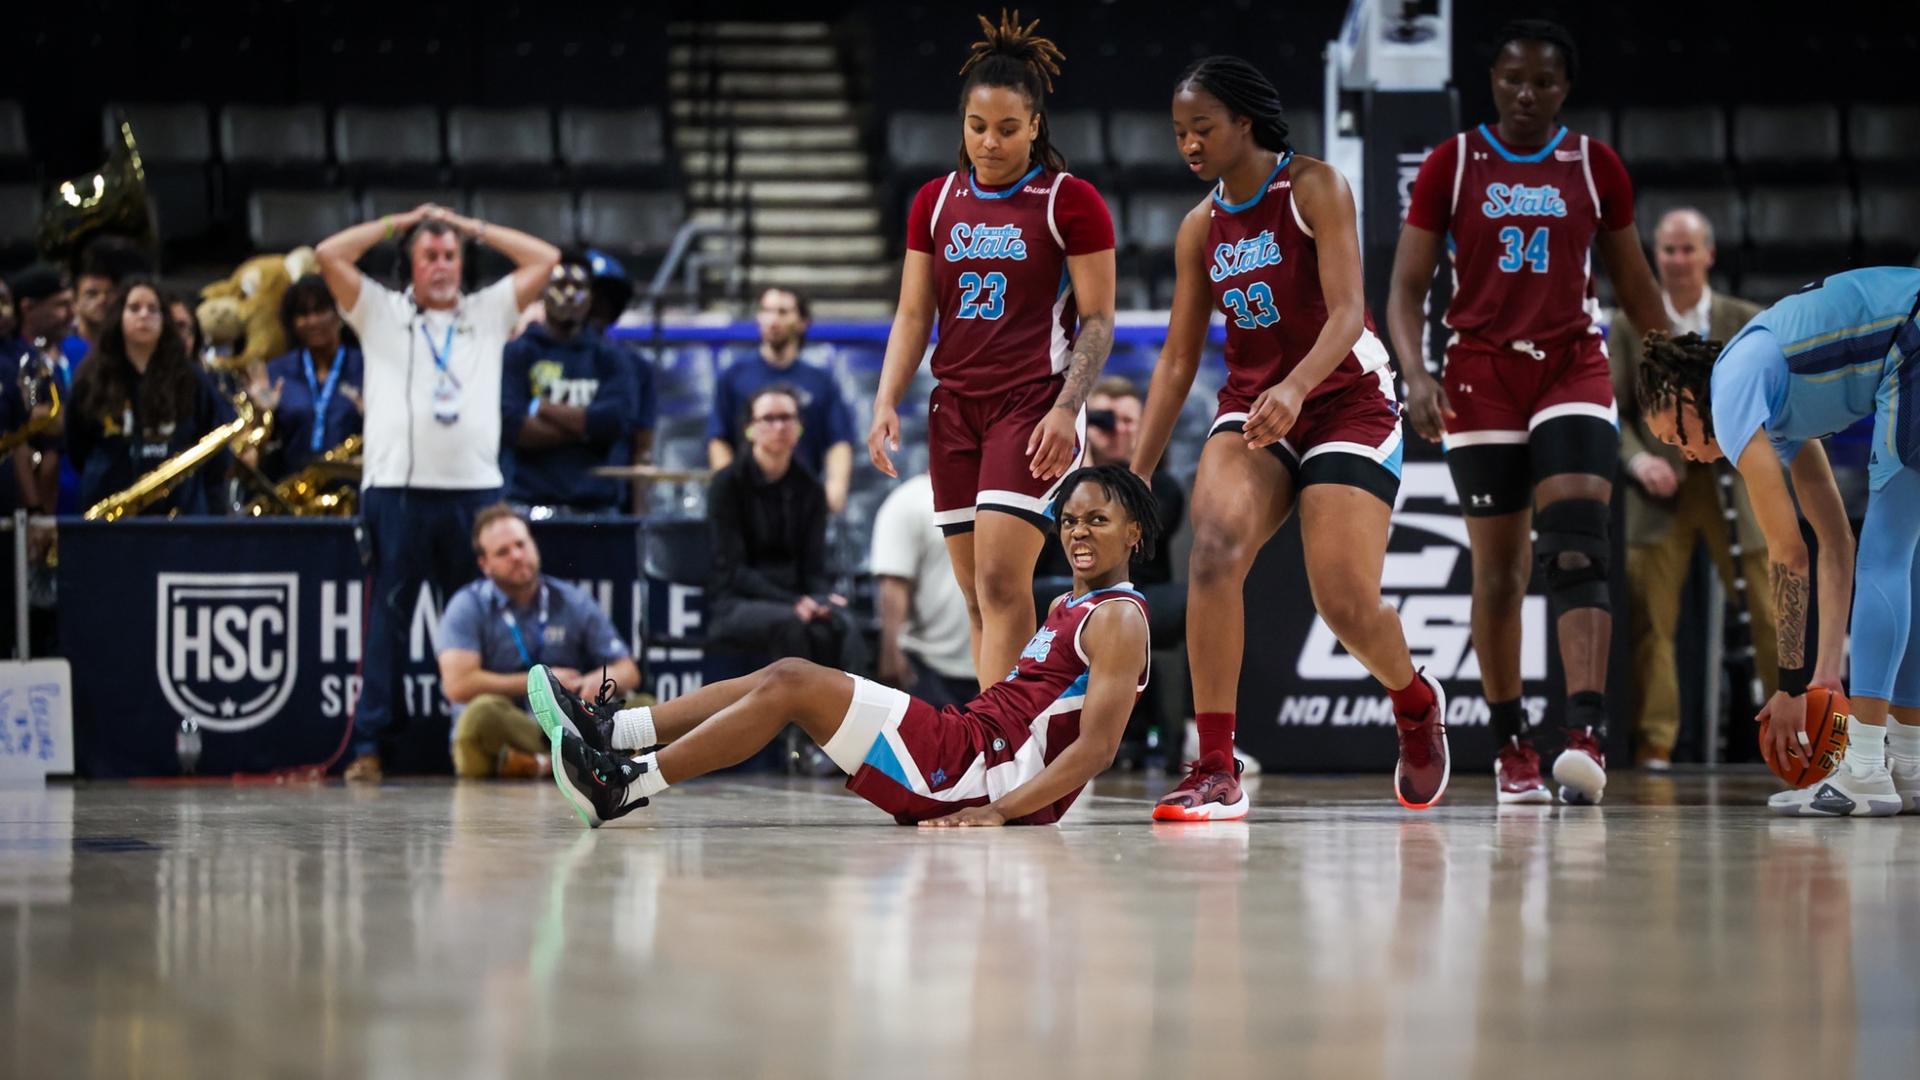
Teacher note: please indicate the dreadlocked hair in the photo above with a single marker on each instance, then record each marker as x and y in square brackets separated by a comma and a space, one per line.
[1013, 56]
[1544, 32]
[1678, 369]
[1120, 484]
[1246, 92]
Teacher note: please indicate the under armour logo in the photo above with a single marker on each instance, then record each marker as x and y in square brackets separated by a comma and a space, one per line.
[1480, 500]
[1465, 388]
[939, 777]
[1479, 155]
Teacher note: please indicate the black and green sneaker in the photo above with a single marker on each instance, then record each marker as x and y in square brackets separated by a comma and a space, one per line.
[595, 782]
[559, 709]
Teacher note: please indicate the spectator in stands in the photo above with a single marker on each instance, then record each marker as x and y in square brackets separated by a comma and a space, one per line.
[432, 459]
[140, 400]
[925, 635]
[43, 306]
[612, 291]
[43, 302]
[105, 263]
[9, 319]
[182, 321]
[826, 436]
[567, 404]
[314, 391]
[495, 629]
[768, 518]
[1674, 505]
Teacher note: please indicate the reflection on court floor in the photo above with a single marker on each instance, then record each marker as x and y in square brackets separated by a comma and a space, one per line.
[758, 927]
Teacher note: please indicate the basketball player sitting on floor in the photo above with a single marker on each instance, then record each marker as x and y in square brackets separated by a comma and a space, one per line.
[1803, 369]
[1018, 753]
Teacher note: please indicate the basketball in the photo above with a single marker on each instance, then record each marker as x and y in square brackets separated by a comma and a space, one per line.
[1826, 720]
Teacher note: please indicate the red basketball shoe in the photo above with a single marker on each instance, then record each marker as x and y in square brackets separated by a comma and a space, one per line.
[1211, 792]
[1420, 776]
[1516, 774]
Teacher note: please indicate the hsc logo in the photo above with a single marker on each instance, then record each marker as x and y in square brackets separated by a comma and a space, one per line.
[227, 646]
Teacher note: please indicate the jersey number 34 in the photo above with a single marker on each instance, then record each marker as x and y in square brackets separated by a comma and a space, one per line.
[1523, 249]
[973, 305]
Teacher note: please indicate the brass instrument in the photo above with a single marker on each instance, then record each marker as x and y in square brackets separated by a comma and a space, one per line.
[31, 383]
[317, 490]
[246, 426]
[112, 200]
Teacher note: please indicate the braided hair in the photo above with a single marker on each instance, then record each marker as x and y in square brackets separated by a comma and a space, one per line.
[1014, 57]
[1678, 369]
[1544, 33]
[1245, 92]
[1120, 484]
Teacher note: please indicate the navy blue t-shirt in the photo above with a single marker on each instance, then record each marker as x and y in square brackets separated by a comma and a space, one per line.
[293, 420]
[825, 417]
[585, 370]
[111, 452]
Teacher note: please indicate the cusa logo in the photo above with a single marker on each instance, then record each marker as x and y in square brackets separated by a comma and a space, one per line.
[228, 646]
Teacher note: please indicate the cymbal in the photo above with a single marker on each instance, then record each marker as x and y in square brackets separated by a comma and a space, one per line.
[652, 472]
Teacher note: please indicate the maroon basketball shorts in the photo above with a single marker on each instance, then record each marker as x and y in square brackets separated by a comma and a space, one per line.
[917, 762]
[1351, 436]
[1524, 414]
[978, 455]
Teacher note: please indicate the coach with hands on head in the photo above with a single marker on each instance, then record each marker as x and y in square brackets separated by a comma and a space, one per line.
[432, 427]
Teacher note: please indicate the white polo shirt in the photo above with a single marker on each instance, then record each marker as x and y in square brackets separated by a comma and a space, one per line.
[405, 445]
[907, 544]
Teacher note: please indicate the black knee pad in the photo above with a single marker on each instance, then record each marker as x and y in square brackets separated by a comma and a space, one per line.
[1575, 551]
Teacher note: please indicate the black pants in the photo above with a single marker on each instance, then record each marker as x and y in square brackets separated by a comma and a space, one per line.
[412, 536]
[770, 626]
[940, 690]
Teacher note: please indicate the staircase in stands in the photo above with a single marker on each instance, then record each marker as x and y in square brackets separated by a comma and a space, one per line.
[799, 167]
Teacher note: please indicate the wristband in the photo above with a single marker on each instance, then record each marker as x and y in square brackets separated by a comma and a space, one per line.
[389, 223]
[1793, 681]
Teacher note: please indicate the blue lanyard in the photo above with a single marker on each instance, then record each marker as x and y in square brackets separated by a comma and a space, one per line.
[442, 354]
[322, 397]
[513, 626]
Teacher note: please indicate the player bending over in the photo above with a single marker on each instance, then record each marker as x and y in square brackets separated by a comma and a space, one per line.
[1018, 753]
[1803, 369]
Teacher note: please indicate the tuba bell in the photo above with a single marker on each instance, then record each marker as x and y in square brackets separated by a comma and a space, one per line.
[112, 200]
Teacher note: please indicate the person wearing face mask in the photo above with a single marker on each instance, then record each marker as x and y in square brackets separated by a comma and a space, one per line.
[1674, 505]
[139, 401]
[567, 404]
[314, 390]
[433, 357]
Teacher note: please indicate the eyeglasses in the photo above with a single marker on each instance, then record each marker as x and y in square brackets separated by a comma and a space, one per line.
[777, 419]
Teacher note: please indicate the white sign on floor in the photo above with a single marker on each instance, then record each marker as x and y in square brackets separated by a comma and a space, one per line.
[36, 719]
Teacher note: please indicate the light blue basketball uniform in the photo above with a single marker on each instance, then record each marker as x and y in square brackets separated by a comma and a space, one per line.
[1810, 366]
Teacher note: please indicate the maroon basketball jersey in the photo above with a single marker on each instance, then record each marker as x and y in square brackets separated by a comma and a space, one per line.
[1035, 712]
[1007, 314]
[1265, 274]
[1520, 233]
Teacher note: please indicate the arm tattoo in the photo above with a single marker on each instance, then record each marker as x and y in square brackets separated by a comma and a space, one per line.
[1089, 357]
[1790, 615]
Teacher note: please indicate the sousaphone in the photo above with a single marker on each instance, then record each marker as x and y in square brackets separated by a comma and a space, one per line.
[112, 200]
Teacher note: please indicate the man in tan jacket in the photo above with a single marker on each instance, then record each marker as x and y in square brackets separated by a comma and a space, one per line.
[1674, 504]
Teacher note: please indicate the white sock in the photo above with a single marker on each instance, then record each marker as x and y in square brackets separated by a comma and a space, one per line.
[1903, 742]
[633, 729]
[1867, 746]
[649, 783]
